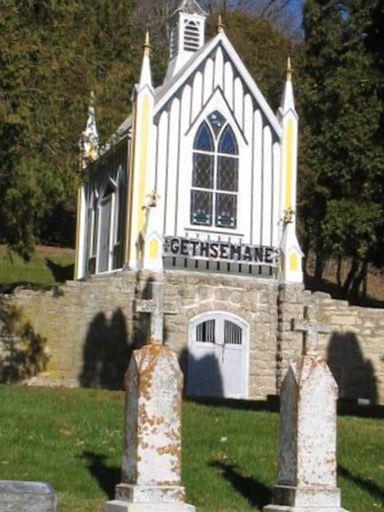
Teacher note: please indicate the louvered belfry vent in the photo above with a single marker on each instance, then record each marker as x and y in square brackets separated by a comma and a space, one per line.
[192, 37]
[186, 34]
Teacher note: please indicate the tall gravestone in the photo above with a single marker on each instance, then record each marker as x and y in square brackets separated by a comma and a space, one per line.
[307, 479]
[151, 469]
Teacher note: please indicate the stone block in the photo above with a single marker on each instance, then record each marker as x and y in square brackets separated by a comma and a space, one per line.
[26, 497]
[123, 506]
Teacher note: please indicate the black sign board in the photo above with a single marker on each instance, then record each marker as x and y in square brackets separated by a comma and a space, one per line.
[220, 251]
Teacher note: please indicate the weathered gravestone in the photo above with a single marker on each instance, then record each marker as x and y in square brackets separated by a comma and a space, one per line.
[151, 469]
[26, 497]
[307, 479]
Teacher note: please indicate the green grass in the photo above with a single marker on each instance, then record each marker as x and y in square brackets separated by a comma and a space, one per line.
[48, 266]
[72, 439]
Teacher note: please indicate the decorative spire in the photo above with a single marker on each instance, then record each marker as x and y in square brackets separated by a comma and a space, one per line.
[289, 70]
[89, 143]
[288, 101]
[145, 76]
[146, 45]
[220, 24]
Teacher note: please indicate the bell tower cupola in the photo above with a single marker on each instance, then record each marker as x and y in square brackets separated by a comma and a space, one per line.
[187, 34]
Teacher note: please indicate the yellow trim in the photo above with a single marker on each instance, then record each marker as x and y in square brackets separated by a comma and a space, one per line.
[289, 159]
[77, 263]
[130, 174]
[144, 142]
[293, 262]
[153, 249]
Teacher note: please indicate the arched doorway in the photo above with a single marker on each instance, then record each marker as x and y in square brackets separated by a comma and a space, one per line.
[218, 356]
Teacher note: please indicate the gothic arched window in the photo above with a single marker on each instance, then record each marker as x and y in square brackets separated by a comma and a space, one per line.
[215, 180]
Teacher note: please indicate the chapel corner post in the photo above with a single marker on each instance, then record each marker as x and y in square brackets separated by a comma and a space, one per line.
[291, 255]
[143, 242]
[89, 150]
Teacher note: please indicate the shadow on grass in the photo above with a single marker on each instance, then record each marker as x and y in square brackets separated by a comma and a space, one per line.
[60, 273]
[271, 404]
[366, 485]
[254, 491]
[107, 477]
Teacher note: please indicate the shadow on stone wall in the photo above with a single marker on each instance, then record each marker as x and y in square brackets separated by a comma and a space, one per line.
[106, 352]
[202, 377]
[22, 351]
[354, 374]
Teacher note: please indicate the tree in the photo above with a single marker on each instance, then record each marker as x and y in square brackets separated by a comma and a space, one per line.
[53, 54]
[343, 155]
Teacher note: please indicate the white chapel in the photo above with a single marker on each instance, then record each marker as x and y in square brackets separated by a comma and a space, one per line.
[200, 179]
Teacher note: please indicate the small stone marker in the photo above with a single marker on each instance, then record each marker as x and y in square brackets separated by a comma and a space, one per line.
[307, 479]
[26, 497]
[151, 469]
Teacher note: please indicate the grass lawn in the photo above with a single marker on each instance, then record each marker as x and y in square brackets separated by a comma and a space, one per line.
[47, 267]
[72, 439]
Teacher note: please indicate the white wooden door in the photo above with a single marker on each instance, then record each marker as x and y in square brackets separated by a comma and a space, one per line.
[104, 233]
[218, 356]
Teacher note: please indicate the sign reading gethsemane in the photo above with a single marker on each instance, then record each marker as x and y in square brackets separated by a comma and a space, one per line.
[220, 250]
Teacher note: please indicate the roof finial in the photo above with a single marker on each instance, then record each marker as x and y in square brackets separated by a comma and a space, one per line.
[289, 70]
[146, 44]
[220, 24]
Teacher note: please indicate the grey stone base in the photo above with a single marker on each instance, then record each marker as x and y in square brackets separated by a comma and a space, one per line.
[26, 497]
[150, 493]
[123, 506]
[283, 508]
[317, 497]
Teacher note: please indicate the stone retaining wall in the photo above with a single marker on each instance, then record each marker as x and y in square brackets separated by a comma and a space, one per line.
[88, 329]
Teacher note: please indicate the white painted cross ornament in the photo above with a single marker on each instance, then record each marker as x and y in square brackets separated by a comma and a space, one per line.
[311, 330]
[157, 309]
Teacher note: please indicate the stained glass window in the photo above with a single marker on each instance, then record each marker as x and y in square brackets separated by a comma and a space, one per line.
[204, 139]
[227, 142]
[226, 209]
[217, 121]
[215, 179]
[227, 173]
[202, 170]
[201, 211]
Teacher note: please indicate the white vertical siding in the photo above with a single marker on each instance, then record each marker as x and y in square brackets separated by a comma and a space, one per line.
[185, 162]
[228, 83]
[197, 95]
[248, 118]
[267, 186]
[208, 80]
[257, 204]
[239, 102]
[162, 157]
[276, 194]
[173, 144]
[219, 69]
[248, 175]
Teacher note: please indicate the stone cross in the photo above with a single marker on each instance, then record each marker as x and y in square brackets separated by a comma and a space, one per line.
[157, 309]
[307, 476]
[311, 329]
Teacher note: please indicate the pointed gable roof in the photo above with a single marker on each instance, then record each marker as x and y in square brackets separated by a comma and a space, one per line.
[168, 89]
[190, 7]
